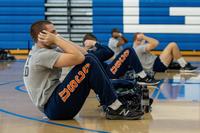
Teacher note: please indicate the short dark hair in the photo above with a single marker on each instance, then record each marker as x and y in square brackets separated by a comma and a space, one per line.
[135, 36]
[89, 36]
[115, 30]
[37, 27]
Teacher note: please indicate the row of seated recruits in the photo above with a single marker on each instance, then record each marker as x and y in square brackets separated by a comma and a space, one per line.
[143, 45]
[62, 100]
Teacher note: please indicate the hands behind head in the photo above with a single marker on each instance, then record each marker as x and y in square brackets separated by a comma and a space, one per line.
[89, 43]
[140, 36]
[117, 34]
[47, 38]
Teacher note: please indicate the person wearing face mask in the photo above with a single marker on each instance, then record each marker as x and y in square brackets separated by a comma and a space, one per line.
[117, 41]
[126, 60]
[143, 46]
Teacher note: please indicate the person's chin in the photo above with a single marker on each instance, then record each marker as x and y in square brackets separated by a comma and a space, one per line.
[51, 46]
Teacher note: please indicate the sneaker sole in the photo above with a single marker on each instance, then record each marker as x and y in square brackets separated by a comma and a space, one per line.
[188, 71]
[114, 117]
[148, 84]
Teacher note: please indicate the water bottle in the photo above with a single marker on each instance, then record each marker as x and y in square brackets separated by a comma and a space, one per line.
[145, 100]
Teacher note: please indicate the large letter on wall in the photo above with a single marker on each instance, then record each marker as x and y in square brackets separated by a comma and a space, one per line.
[189, 14]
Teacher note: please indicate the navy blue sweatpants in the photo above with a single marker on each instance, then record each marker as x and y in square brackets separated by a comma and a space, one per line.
[124, 61]
[69, 97]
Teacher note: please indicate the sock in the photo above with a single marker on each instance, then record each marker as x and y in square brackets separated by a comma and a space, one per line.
[142, 74]
[115, 105]
[181, 61]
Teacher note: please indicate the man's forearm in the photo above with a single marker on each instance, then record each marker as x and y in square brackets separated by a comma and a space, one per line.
[151, 40]
[125, 40]
[67, 46]
[82, 50]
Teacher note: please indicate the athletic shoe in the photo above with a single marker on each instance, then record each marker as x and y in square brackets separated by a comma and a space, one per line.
[188, 68]
[147, 81]
[174, 66]
[123, 113]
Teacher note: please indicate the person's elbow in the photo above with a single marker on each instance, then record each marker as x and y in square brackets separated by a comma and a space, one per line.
[156, 43]
[152, 45]
[80, 59]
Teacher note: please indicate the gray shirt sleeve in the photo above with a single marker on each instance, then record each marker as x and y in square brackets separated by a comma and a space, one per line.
[47, 58]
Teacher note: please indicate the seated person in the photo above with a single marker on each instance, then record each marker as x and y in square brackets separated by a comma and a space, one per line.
[126, 60]
[143, 46]
[117, 41]
[63, 100]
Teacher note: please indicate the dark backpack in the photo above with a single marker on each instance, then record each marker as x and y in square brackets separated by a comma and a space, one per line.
[5, 55]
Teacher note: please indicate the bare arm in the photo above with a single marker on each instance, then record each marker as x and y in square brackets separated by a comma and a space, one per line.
[151, 42]
[82, 50]
[71, 56]
[122, 40]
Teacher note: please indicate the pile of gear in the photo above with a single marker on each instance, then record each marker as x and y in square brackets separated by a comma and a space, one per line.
[5, 55]
[133, 95]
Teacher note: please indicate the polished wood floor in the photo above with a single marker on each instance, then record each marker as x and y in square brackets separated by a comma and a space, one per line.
[176, 108]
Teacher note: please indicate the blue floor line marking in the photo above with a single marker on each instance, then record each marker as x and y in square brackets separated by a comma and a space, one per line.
[49, 122]
[19, 88]
[155, 93]
[9, 82]
[13, 61]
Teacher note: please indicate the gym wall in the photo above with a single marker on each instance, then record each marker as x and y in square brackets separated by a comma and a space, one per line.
[166, 20]
[16, 16]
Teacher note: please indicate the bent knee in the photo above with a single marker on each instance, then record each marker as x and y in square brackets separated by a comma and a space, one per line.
[90, 58]
[172, 44]
[131, 50]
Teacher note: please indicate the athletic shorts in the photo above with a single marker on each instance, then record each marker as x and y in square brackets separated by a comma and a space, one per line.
[158, 66]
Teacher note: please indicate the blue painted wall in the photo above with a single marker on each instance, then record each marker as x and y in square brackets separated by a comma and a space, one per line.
[132, 16]
[16, 16]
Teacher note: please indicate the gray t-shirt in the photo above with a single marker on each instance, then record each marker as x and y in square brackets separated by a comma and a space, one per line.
[40, 77]
[112, 44]
[146, 58]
